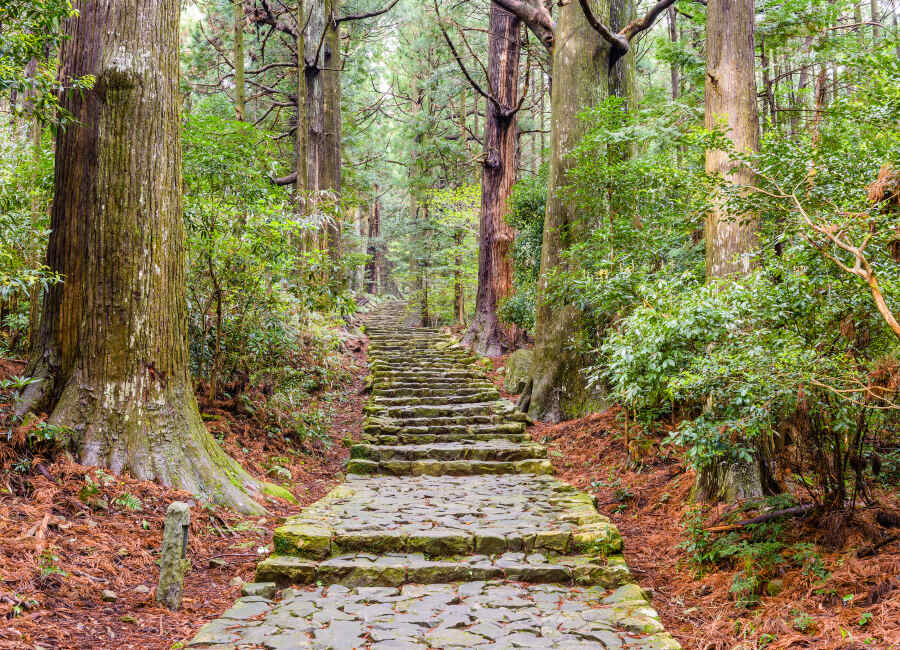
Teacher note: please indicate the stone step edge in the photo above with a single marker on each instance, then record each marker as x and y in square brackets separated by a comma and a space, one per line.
[449, 451]
[285, 570]
[361, 467]
[423, 438]
[304, 537]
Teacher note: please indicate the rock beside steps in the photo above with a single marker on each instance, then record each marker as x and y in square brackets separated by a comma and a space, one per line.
[449, 503]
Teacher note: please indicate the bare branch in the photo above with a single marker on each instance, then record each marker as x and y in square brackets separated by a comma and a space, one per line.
[536, 16]
[290, 179]
[459, 62]
[371, 14]
[637, 26]
[617, 41]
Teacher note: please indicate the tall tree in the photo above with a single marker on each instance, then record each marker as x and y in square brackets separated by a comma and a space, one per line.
[731, 238]
[581, 78]
[111, 356]
[730, 102]
[240, 94]
[486, 334]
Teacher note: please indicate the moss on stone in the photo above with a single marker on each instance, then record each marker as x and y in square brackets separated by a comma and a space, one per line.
[279, 492]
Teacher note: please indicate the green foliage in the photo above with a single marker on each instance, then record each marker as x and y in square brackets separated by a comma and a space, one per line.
[128, 501]
[31, 31]
[526, 214]
[756, 552]
[254, 287]
[782, 351]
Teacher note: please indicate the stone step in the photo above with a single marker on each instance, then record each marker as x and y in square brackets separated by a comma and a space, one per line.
[490, 451]
[425, 392]
[469, 398]
[473, 424]
[441, 430]
[393, 570]
[435, 410]
[448, 467]
[428, 438]
[482, 384]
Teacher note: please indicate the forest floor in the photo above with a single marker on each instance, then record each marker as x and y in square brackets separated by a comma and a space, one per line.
[857, 606]
[62, 545]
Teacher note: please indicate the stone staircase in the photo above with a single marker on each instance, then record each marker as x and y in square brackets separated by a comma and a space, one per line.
[447, 500]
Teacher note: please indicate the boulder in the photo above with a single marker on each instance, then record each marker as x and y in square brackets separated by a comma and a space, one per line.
[518, 370]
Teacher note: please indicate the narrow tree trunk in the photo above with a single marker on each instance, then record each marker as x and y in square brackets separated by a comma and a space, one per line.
[374, 264]
[486, 335]
[331, 87]
[580, 73]
[876, 17]
[730, 101]
[459, 298]
[240, 109]
[113, 351]
[674, 72]
[767, 83]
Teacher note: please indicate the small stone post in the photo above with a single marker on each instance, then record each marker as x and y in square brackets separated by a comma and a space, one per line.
[172, 561]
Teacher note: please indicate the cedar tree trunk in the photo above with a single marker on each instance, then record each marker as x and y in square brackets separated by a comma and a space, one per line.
[112, 348]
[486, 335]
[730, 101]
[580, 80]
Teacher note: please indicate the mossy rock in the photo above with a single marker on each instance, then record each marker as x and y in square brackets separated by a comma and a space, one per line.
[303, 539]
[518, 371]
[273, 490]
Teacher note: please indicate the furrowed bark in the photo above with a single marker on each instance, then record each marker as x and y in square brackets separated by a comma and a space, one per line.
[240, 109]
[112, 348]
[486, 334]
[580, 78]
[731, 239]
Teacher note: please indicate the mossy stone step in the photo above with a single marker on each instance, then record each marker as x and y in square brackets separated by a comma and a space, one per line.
[437, 399]
[430, 467]
[427, 438]
[493, 451]
[433, 410]
[367, 570]
[427, 392]
[514, 428]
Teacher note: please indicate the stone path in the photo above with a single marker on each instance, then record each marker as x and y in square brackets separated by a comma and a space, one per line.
[450, 531]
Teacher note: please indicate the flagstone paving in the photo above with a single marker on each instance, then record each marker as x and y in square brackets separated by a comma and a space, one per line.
[450, 531]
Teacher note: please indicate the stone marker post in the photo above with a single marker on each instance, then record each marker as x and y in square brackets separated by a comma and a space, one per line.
[172, 561]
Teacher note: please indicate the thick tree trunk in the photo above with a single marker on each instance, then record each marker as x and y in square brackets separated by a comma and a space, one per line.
[112, 349]
[240, 95]
[580, 74]
[730, 100]
[731, 239]
[319, 125]
[486, 335]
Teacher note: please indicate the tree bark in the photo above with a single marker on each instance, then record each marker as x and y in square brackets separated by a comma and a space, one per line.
[730, 101]
[375, 262]
[731, 239]
[112, 350]
[580, 80]
[319, 123]
[486, 334]
[674, 72]
[240, 95]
